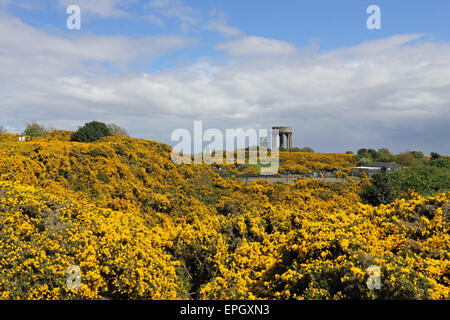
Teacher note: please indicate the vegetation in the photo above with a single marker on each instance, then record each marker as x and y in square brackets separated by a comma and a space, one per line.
[140, 227]
[307, 162]
[429, 178]
[379, 191]
[304, 149]
[408, 158]
[116, 130]
[426, 179]
[91, 131]
[35, 130]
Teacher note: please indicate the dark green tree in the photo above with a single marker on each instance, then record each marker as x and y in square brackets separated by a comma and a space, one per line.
[378, 191]
[435, 155]
[91, 131]
[362, 151]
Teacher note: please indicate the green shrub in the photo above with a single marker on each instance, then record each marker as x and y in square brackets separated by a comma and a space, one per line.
[91, 131]
[379, 191]
[35, 130]
[425, 179]
[428, 179]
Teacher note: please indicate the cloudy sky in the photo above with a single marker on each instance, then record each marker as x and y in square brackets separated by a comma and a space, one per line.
[155, 66]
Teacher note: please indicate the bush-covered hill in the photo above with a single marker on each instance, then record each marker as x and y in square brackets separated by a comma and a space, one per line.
[139, 226]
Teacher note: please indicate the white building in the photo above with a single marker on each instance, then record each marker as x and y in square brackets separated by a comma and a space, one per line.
[370, 171]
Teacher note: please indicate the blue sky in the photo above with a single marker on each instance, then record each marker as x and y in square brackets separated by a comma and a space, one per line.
[333, 23]
[313, 65]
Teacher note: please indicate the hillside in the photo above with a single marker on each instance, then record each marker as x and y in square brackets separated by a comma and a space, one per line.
[139, 226]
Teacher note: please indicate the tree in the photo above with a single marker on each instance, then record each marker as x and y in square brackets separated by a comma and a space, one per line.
[384, 155]
[440, 163]
[349, 152]
[435, 155]
[424, 179]
[2, 130]
[361, 151]
[114, 129]
[373, 154]
[368, 154]
[35, 130]
[418, 155]
[306, 149]
[405, 159]
[379, 191]
[91, 131]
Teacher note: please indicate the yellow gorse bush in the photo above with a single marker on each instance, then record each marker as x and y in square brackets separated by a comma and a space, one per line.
[140, 227]
[41, 236]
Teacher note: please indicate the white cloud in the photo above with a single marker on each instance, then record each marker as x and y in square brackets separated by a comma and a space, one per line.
[102, 8]
[32, 45]
[152, 18]
[392, 92]
[175, 9]
[219, 23]
[23, 4]
[256, 46]
[46, 77]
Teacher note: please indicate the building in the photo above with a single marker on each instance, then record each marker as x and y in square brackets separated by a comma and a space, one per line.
[377, 167]
[370, 171]
[284, 137]
[386, 166]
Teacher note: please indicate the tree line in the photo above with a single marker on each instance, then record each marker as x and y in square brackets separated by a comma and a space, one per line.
[89, 132]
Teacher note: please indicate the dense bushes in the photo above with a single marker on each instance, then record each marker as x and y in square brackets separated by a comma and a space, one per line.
[91, 131]
[428, 179]
[424, 179]
[140, 227]
[406, 159]
[379, 191]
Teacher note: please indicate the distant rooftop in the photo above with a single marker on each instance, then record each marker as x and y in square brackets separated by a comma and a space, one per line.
[394, 165]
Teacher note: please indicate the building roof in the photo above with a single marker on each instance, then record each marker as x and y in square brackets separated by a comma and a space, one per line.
[394, 165]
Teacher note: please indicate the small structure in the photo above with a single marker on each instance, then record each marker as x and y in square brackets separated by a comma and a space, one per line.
[22, 139]
[386, 166]
[370, 171]
[284, 132]
[377, 167]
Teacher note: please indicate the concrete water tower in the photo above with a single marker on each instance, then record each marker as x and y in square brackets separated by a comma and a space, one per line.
[284, 136]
